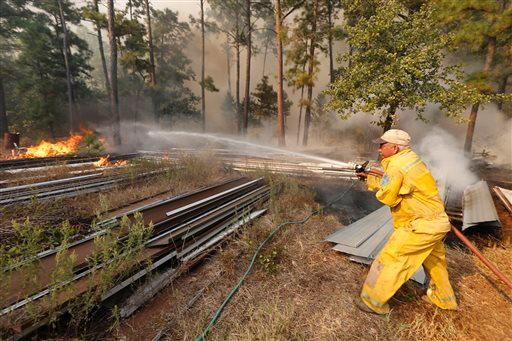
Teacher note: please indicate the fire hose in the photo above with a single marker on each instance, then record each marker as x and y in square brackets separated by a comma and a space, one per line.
[217, 314]
[361, 169]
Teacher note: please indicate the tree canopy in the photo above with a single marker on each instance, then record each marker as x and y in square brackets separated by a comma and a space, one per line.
[398, 62]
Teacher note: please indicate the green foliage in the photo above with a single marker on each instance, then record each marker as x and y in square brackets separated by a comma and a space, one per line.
[36, 91]
[209, 84]
[64, 267]
[228, 106]
[111, 261]
[270, 260]
[12, 15]
[91, 145]
[264, 103]
[483, 28]
[22, 259]
[398, 63]
[175, 100]
[298, 43]
[473, 22]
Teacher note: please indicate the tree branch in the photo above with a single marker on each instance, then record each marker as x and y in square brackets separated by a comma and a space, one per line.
[292, 10]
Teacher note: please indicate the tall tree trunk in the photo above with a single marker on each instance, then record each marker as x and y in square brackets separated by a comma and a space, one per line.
[279, 42]
[267, 38]
[502, 90]
[152, 69]
[203, 100]
[136, 116]
[102, 51]
[228, 61]
[329, 41]
[4, 127]
[68, 69]
[489, 57]
[388, 122]
[247, 66]
[301, 104]
[307, 115]
[130, 9]
[114, 98]
[237, 48]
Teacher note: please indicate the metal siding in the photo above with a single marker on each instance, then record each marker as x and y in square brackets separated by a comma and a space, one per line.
[478, 207]
[358, 232]
[370, 245]
[364, 239]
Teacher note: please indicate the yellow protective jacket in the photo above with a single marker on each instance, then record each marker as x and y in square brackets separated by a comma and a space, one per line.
[409, 189]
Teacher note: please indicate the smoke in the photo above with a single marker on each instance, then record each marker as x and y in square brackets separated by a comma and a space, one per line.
[338, 138]
[493, 131]
[445, 159]
[493, 134]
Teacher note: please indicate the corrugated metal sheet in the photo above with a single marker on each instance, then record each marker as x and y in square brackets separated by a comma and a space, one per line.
[370, 247]
[356, 233]
[505, 195]
[364, 239]
[478, 207]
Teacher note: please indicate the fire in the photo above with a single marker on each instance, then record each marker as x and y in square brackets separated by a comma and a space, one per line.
[65, 147]
[104, 162]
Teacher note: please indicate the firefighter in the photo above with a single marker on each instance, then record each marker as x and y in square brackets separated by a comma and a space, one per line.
[420, 225]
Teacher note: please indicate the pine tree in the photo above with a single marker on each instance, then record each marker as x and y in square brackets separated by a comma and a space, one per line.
[114, 96]
[13, 13]
[264, 102]
[226, 15]
[91, 12]
[171, 38]
[480, 27]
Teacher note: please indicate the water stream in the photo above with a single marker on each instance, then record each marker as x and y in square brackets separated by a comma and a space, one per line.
[173, 135]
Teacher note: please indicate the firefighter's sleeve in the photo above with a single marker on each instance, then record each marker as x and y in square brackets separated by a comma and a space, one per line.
[373, 182]
[390, 185]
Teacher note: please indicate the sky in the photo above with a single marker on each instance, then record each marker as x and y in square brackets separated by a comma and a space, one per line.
[184, 7]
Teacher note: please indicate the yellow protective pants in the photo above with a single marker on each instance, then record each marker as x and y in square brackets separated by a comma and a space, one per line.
[400, 258]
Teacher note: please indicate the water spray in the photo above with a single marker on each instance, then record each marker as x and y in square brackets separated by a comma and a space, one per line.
[169, 135]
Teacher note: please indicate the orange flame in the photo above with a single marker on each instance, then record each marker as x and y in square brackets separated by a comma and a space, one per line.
[104, 162]
[65, 147]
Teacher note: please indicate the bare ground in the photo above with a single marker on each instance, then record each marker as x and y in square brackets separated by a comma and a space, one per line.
[301, 289]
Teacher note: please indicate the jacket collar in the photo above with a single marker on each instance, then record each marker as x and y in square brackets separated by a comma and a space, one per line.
[385, 162]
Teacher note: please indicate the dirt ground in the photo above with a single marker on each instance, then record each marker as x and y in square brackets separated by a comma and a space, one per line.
[301, 289]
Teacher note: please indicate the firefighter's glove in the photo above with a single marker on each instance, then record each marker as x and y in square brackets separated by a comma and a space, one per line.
[361, 176]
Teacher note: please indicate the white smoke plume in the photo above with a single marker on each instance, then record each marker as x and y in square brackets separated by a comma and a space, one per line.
[443, 155]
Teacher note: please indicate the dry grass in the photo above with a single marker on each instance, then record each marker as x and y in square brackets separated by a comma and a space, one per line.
[309, 295]
[187, 174]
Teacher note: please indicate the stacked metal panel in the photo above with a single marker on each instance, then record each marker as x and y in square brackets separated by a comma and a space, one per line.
[364, 239]
[478, 208]
[505, 195]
